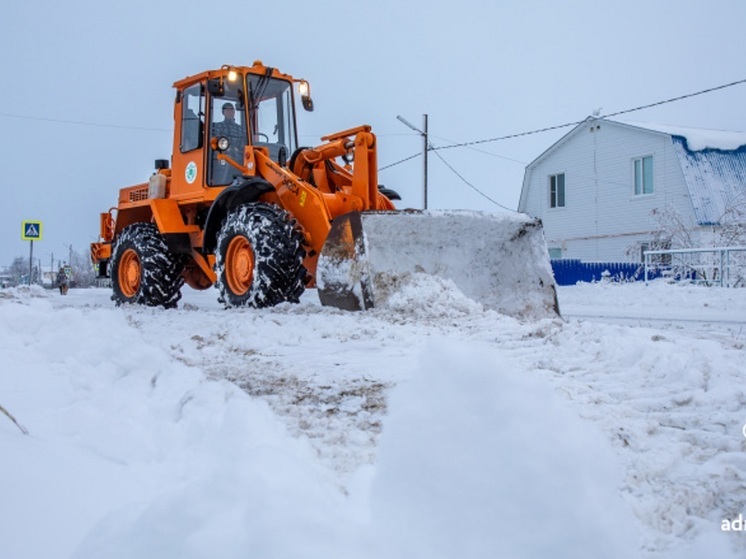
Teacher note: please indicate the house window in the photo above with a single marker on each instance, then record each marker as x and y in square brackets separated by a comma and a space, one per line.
[557, 191]
[643, 175]
[555, 253]
[656, 259]
[644, 247]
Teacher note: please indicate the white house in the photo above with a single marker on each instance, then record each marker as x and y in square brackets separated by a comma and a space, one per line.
[596, 188]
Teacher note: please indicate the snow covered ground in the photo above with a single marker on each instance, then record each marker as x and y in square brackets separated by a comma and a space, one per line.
[430, 428]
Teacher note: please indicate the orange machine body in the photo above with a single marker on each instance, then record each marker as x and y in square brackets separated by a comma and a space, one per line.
[189, 196]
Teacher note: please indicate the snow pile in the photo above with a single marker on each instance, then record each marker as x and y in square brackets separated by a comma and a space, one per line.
[422, 295]
[499, 260]
[156, 462]
[142, 453]
[392, 433]
[480, 460]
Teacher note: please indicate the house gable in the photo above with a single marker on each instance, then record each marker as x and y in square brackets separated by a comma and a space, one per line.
[603, 216]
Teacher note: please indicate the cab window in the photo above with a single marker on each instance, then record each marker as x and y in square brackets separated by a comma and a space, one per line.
[227, 120]
[271, 110]
[192, 118]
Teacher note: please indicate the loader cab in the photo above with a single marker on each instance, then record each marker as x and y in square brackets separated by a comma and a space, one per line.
[247, 106]
[256, 110]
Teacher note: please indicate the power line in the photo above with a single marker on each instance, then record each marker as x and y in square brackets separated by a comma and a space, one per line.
[418, 154]
[485, 152]
[83, 123]
[435, 149]
[511, 136]
[470, 185]
[709, 90]
[625, 111]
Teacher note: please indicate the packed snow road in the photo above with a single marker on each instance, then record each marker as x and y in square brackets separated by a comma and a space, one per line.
[482, 434]
[672, 311]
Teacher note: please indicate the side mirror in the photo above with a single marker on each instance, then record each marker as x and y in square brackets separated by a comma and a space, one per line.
[305, 95]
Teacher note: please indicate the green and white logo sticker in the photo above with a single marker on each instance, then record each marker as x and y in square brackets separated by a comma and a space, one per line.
[191, 172]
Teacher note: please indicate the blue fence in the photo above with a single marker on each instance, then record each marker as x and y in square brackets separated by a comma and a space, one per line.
[570, 272]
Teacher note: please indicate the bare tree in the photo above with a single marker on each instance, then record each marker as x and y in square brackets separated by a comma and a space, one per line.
[83, 274]
[82, 268]
[19, 270]
[733, 233]
[733, 223]
[673, 231]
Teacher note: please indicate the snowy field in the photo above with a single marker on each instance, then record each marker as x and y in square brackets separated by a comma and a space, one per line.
[430, 428]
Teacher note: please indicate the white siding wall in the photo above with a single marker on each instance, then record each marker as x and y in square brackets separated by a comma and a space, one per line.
[602, 217]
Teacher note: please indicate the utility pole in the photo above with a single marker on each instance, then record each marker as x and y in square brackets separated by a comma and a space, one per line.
[425, 146]
[424, 157]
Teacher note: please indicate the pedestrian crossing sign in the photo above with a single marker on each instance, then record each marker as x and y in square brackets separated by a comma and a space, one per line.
[31, 231]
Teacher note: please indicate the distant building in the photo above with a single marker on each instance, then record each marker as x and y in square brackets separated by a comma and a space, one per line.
[597, 187]
[48, 276]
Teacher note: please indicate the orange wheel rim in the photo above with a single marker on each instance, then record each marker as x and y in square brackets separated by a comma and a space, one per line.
[130, 272]
[239, 265]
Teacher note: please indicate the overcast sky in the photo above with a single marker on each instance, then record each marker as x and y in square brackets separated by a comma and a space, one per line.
[86, 103]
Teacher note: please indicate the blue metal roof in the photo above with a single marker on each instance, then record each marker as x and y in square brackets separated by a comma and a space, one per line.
[716, 179]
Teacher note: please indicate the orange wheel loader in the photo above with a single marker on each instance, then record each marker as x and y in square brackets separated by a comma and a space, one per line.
[243, 207]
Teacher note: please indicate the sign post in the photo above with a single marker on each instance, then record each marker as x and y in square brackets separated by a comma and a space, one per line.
[31, 231]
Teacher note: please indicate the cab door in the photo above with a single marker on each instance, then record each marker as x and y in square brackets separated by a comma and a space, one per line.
[189, 160]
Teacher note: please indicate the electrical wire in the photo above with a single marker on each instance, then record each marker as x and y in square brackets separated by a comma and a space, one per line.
[470, 185]
[430, 147]
[681, 97]
[83, 123]
[418, 154]
[485, 152]
[568, 124]
[456, 145]
[435, 149]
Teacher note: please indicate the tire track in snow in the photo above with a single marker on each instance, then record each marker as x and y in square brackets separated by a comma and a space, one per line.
[669, 401]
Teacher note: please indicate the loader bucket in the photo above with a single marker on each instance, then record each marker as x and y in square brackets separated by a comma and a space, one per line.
[499, 260]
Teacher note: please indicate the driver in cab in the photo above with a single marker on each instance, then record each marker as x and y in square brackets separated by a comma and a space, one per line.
[230, 129]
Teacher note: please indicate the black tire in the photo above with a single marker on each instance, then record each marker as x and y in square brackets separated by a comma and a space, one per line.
[259, 257]
[143, 270]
